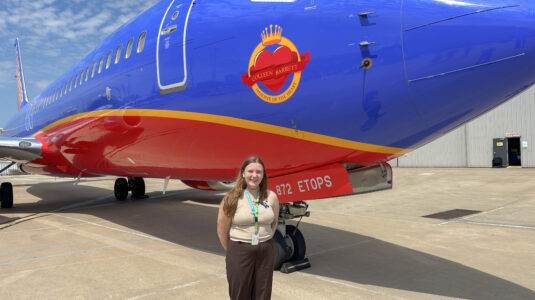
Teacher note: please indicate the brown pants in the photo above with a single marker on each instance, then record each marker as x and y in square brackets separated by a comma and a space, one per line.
[250, 270]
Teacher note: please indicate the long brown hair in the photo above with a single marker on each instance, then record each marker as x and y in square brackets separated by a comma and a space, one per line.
[230, 201]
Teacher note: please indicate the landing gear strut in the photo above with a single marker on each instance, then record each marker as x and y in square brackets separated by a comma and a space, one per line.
[290, 246]
[6, 194]
[134, 184]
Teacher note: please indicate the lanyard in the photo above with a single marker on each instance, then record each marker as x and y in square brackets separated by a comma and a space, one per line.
[254, 210]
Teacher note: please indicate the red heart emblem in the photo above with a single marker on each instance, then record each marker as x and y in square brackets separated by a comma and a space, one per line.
[265, 59]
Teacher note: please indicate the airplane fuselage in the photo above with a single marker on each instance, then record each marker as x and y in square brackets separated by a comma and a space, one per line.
[217, 81]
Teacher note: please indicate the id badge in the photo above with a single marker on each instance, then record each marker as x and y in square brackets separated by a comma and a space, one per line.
[254, 240]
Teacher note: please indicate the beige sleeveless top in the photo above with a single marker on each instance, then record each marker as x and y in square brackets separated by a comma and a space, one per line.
[242, 226]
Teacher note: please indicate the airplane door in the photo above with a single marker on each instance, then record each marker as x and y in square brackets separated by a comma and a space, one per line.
[171, 47]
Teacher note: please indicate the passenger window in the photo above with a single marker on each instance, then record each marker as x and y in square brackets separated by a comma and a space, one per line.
[108, 59]
[93, 69]
[65, 89]
[129, 48]
[81, 77]
[75, 80]
[100, 64]
[86, 73]
[118, 53]
[70, 85]
[141, 41]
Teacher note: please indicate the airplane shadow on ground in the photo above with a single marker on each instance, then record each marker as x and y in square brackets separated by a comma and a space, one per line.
[188, 218]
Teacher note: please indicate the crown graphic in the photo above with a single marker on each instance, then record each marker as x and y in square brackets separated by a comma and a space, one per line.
[273, 36]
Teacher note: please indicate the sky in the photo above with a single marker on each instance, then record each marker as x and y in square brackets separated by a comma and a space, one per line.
[53, 35]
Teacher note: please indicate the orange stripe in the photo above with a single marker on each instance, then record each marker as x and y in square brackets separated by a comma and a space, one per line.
[234, 122]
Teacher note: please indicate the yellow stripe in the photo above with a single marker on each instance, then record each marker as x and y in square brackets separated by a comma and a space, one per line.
[235, 122]
[17, 221]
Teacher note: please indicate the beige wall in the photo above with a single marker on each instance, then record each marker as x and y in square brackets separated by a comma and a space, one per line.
[471, 144]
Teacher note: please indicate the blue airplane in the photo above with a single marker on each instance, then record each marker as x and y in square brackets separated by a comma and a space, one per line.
[326, 92]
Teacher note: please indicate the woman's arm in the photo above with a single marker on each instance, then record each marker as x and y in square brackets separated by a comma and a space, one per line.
[223, 226]
[275, 205]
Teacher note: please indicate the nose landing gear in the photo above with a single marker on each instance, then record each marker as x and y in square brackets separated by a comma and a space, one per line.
[290, 245]
[134, 184]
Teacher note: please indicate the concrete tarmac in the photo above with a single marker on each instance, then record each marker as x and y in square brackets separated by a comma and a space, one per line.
[63, 240]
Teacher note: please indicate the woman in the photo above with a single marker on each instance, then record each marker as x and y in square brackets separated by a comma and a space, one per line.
[246, 222]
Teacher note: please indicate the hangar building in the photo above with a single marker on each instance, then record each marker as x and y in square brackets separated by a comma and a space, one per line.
[504, 136]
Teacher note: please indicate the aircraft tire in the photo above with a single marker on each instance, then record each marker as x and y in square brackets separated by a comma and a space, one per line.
[298, 240]
[120, 189]
[138, 187]
[282, 251]
[6, 194]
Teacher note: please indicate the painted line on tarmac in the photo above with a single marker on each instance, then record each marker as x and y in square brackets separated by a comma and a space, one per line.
[117, 237]
[45, 214]
[181, 286]
[24, 219]
[471, 216]
[466, 220]
[350, 286]
[498, 225]
[160, 292]
[137, 233]
[117, 229]
[81, 204]
[74, 252]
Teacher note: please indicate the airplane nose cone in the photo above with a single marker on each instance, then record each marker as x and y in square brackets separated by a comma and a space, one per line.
[464, 57]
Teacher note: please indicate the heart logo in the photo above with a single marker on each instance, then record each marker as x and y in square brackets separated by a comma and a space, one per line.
[273, 68]
[266, 60]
